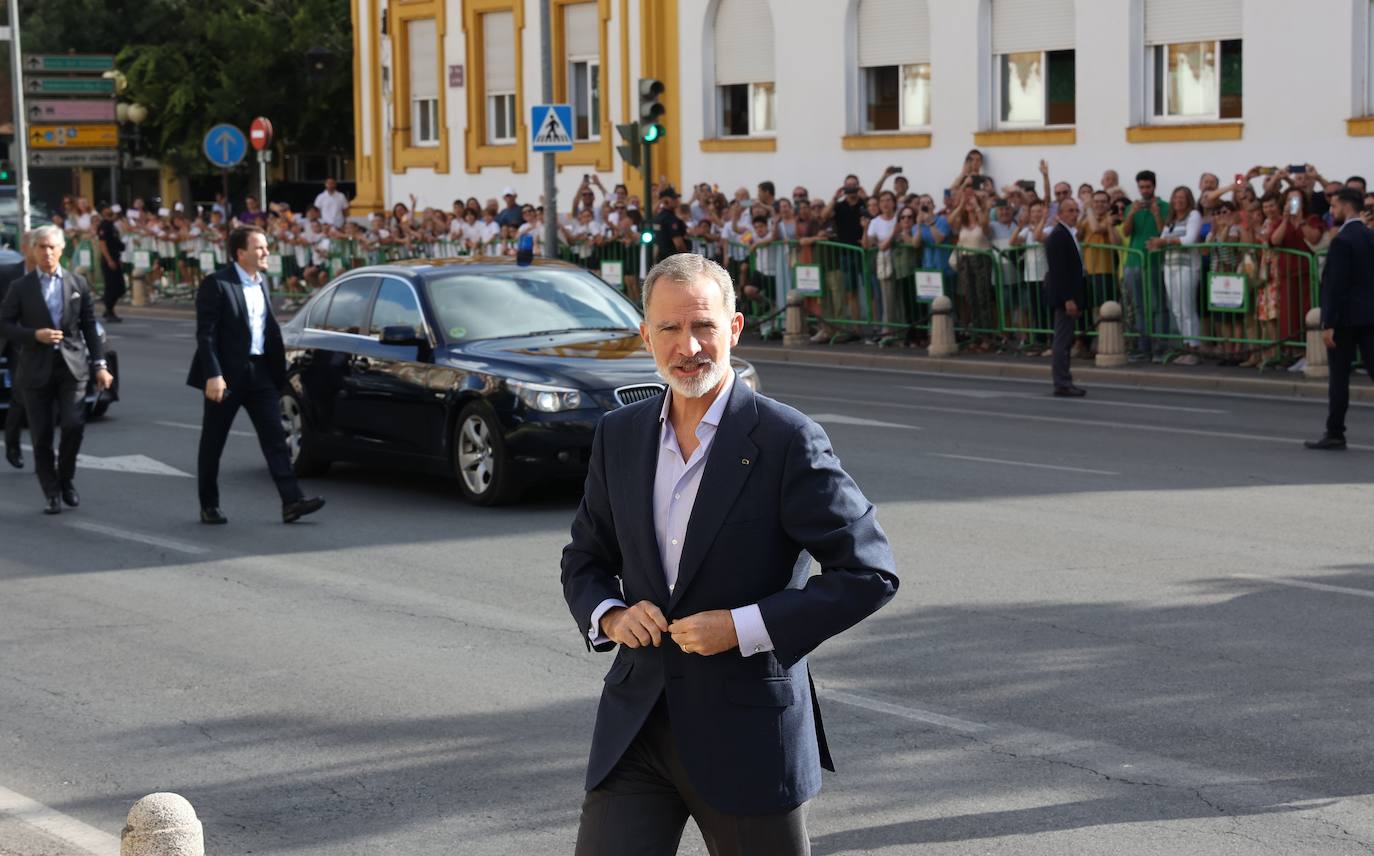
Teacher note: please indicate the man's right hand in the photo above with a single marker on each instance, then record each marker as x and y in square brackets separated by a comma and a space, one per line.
[215, 388]
[48, 336]
[635, 626]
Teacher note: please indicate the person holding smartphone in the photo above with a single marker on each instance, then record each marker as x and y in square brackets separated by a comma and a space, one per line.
[1293, 236]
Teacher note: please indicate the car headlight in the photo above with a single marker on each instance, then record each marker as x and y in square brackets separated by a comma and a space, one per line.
[545, 398]
[749, 377]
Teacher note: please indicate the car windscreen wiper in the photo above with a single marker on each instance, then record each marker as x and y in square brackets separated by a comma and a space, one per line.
[582, 329]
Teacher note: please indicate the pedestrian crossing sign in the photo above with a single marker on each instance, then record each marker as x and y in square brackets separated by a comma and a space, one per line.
[550, 124]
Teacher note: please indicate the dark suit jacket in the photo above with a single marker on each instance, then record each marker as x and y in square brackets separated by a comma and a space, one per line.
[24, 312]
[1064, 280]
[1348, 278]
[223, 337]
[8, 275]
[747, 728]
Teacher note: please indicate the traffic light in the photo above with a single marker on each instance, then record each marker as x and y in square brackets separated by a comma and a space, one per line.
[647, 236]
[629, 132]
[651, 110]
[6, 172]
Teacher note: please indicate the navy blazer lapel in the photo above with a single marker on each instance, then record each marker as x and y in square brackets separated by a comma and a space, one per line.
[727, 468]
[644, 453]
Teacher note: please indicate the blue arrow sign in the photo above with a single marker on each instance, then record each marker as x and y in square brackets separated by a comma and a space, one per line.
[551, 128]
[224, 146]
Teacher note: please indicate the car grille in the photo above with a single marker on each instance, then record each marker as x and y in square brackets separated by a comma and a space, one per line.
[630, 394]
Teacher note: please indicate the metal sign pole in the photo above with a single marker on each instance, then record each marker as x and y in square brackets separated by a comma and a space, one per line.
[263, 155]
[550, 182]
[21, 129]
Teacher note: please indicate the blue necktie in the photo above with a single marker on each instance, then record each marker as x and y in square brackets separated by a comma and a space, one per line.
[53, 295]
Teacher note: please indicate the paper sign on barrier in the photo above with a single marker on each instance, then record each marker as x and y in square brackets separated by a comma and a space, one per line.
[808, 279]
[613, 273]
[274, 264]
[930, 284]
[143, 260]
[1227, 292]
[207, 262]
[83, 258]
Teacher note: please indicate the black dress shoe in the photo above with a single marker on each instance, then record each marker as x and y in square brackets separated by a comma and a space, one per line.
[1070, 391]
[213, 516]
[293, 511]
[1326, 442]
[15, 456]
[52, 506]
[70, 496]
[112, 318]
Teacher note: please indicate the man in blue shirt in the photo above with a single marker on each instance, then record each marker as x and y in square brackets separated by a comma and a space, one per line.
[512, 215]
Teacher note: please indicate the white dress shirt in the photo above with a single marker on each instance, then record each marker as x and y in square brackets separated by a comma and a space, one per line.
[255, 296]
[675, 493]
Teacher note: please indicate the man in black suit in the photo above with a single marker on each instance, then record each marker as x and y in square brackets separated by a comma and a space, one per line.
[240, 361]
[49, 314]
[14, 416]
[1064, 293]
[692, 550]
[1347, 309]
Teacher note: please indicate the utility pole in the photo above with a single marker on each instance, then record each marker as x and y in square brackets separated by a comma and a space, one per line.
[21, 125]
[550, 167]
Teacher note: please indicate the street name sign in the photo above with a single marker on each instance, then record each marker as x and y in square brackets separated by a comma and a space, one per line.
[68, 62]
[69, 86]
[74, 136]
[71, 110]
[550, 124]
[74, 157]
[224, 146]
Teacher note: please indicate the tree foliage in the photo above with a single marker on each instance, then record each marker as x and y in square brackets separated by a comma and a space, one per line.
[196, 63]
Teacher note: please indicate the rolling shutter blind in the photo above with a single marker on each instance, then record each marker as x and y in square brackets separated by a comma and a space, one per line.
[1172, 21]
[579, 30]
[1032, 25]
[744, 42]
[422, 40]
[893, 32]
[498, 46]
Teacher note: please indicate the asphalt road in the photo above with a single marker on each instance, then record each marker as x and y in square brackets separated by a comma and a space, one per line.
[1132, 624]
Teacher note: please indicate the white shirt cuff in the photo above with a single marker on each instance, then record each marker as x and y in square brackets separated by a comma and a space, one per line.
[753, 636]
[594, 632]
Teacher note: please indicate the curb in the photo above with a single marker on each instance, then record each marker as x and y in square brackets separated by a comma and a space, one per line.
[1167, 379]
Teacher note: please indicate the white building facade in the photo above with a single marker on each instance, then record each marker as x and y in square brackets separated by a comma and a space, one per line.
[805, 91]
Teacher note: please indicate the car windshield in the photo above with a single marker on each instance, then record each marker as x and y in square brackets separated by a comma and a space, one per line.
[495, 305]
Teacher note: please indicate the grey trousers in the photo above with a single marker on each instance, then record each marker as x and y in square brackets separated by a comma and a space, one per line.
[1064, 325]
[643, 806]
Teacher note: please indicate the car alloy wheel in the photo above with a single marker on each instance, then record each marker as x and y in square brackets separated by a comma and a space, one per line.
[480, 458]
[304, 462]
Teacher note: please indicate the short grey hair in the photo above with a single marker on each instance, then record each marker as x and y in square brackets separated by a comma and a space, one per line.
[688, 268]
[33, 236]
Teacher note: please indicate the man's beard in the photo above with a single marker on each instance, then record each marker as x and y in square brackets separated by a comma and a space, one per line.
[699, 384]
[1337, 218]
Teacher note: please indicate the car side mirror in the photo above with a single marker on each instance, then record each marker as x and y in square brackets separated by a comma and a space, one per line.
[401, 334]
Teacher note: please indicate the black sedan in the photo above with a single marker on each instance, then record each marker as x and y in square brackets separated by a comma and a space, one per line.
[483, 369]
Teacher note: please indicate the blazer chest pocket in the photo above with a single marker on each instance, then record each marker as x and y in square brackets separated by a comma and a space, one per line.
[755, 692]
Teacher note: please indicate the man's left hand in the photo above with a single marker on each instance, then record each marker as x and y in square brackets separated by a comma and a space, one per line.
[1328, 339]
[103, 379]
[705, 633]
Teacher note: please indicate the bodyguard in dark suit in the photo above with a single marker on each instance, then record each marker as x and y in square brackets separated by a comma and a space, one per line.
[14, 416]
[687, 552]
[49, 315]
[1347, 310]
[240, 361]
[1064, 293]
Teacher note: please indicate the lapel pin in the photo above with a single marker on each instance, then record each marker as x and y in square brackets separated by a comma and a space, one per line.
[744, 461]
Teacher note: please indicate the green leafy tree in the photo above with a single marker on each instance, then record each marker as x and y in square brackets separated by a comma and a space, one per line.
[196, 64]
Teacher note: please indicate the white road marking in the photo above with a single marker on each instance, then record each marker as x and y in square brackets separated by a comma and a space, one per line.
[140, 464]
[137, 537]
[64, 827]
[838, 419]
[189, 427]
[1076, 402]
[1066, 420]
[915, 714]
[1286, 581]
[1024, 464]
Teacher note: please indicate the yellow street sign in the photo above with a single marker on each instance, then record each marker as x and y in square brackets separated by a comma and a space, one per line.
[104, 136]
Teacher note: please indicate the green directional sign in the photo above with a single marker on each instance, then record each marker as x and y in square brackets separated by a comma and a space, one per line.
[35, 63]
[69, 86]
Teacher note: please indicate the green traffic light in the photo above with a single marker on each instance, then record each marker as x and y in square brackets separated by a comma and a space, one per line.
[653, 133]
[646, 237]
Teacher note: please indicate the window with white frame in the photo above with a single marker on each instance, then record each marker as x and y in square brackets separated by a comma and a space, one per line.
[1193, 60]
[1369, 59]
[746, 103]
[582, 47]
[422, 42]
[1034, 74]
[498, 72]
[894, 65]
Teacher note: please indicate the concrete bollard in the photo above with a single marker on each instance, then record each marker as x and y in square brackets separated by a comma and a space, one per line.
[1111, 339]
[942, 342]
[138, 289]
[794, 329]
[1317, 367]
[162, 825]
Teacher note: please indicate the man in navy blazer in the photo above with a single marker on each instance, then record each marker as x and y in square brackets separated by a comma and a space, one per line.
[1347, 310]
[1064, 294]
[690, 552]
